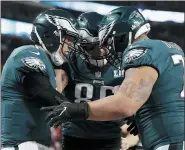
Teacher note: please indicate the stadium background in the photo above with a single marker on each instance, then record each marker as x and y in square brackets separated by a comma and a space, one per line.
[166, 19]
[166, 23]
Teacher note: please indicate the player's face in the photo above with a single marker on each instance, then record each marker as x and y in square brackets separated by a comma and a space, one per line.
[97, 52]
[67, 46]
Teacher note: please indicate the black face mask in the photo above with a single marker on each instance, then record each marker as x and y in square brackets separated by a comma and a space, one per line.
[89, 46]
[53, 40]
[87, 51]
[115, 48]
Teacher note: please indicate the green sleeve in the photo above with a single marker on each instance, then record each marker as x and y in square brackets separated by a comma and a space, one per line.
[30, 61]
[144, 56]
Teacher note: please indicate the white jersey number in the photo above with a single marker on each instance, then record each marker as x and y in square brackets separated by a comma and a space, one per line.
[178, 59]
[89, 91]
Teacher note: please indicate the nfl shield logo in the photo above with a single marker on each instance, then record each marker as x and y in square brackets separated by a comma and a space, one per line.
[98, 74]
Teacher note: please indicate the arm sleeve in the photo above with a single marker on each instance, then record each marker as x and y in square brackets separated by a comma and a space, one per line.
[35, 75]
[39, 87]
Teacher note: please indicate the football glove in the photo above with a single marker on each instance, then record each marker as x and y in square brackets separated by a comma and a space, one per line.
[66, 112]
[132, 126]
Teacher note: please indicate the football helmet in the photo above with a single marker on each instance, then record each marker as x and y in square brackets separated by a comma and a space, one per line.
[53, 30]
[89, 43]
[119, 29]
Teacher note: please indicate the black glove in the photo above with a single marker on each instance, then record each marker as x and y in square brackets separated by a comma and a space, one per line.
[66, 112]
[132, 126]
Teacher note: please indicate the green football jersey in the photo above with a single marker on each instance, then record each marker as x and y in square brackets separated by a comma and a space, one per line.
[85, 84]
[21, 118]
[161, 119]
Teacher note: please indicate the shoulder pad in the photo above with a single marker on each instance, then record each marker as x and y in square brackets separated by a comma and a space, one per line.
[134, 53]
[30, 59]
[35, 64]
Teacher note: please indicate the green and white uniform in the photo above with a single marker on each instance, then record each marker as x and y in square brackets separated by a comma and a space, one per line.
[87, 84]
[21, 118]
[161, 119]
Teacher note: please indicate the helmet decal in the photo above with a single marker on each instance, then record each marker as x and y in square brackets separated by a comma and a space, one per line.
[104, 32]
[84, 33]
[60, 22]
[135, 20]
[86, 36]
[52, 19]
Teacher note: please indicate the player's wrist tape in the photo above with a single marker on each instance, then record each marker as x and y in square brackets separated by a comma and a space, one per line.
[78, 111]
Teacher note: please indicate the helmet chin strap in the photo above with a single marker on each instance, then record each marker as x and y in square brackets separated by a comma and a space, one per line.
[55, 57]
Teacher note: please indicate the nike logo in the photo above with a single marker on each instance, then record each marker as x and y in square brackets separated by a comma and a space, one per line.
[63, 111]
[36, 53]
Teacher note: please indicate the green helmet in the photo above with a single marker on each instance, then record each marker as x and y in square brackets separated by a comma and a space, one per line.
[89, 44]
[120, 27]
[51, 29]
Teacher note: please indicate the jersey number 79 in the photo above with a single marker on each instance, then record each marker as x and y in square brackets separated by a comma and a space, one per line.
[178, 59]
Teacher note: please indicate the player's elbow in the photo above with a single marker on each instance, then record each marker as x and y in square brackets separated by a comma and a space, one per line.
[128, 112]
[124, 108]
[124, 112]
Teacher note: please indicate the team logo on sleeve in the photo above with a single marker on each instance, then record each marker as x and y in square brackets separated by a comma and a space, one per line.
[134, 54]
[34, 64]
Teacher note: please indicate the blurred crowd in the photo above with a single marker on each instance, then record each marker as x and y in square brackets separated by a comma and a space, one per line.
[56, 138]
[26, 12]
[165, 32]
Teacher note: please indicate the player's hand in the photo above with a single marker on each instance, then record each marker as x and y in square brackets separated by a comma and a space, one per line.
[66, 112]
[58, 114]
[132, 127]
[124, 144]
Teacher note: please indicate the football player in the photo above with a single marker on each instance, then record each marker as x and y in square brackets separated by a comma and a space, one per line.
[28, 81]
[90, 77]
[81, 134]
[153, 88]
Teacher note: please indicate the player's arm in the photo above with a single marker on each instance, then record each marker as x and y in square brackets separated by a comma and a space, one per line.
[39, 86]
[35, 78]
[61, 79]
[142, 67]
[132, 94]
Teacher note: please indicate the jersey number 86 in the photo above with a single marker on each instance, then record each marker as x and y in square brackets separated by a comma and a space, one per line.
[89, 92]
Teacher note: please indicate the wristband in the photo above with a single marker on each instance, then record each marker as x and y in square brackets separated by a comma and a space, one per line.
[78, 111]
